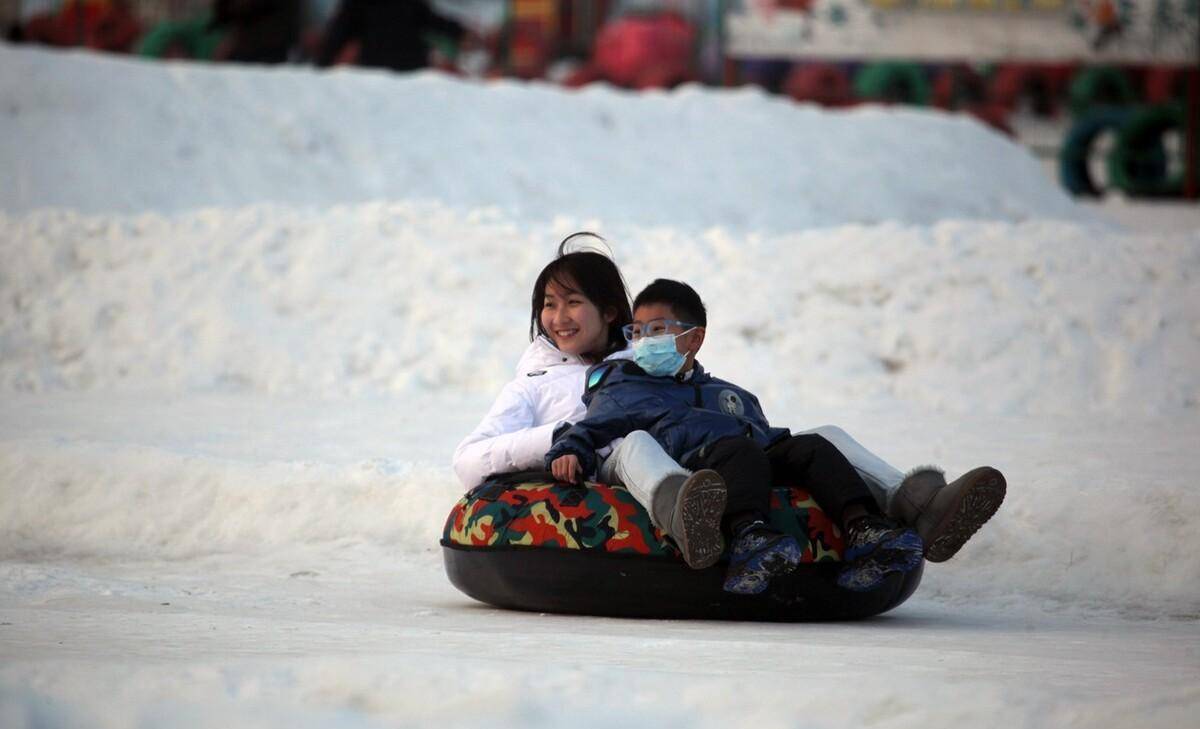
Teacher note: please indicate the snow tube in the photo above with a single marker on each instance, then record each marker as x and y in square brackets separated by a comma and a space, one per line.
[591, 549]
[1138, 163]
[1100, 86]
[901, 83]
[1077, 149]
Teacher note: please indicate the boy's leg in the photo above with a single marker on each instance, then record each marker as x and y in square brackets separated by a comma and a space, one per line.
[687, 506]
[881, 477]
[747, 473]
[816, 465]
[759, 552]
[875, 545]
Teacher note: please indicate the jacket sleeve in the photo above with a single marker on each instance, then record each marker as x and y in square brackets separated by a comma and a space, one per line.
[606, 421]
[508, 439]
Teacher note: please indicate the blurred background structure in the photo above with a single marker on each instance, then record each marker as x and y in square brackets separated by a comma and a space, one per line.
[1106, 92]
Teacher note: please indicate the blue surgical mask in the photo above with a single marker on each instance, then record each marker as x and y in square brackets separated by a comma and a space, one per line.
[657, 355]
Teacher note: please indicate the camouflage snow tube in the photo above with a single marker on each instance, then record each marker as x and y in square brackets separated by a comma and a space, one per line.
[554, 547]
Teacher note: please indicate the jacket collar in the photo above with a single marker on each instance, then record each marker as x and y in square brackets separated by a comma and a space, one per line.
[541, 354]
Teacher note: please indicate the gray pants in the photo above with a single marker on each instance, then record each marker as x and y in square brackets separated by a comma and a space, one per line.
[640, 464]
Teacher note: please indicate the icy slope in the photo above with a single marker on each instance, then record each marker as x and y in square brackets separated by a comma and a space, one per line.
[102, 134]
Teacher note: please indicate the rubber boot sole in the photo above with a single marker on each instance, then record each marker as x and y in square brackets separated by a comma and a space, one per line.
[979, 499]
[753, 577]
[900, 554]
[696, 525]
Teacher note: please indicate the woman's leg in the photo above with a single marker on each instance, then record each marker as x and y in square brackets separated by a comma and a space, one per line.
[640, 464]
[687, 506]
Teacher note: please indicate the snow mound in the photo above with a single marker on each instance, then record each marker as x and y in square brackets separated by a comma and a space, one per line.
[1020, 318]
[190, 136]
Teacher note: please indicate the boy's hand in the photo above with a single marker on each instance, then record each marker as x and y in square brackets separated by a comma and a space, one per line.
[566, 468]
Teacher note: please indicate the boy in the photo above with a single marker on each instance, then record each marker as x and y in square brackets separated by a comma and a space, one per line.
[707, 423]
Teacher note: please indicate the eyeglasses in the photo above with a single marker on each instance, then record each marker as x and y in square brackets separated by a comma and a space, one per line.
[653, 328]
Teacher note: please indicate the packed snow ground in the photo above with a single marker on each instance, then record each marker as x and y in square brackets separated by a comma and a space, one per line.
[231, 380]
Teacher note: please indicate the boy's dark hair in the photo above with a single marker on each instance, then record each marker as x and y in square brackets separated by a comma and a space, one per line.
[596, 277]
[682, 299]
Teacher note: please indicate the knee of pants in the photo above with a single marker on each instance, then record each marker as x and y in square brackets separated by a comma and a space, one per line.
[639, 437]
[829, 432]
[815, 442]
[732, 443]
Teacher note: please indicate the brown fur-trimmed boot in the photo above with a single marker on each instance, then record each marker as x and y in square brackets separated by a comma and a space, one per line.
[946, 515]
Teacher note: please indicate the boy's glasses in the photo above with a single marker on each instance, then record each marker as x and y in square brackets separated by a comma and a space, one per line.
[652, 328]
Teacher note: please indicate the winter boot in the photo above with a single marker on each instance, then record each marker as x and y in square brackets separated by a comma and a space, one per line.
[760, 553]
[947, 515]
[876, 547]
[689, 510]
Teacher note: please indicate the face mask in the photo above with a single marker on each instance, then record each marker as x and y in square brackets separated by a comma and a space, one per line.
[657, 355]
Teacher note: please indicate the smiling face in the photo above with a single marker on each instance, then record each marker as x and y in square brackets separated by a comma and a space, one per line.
[573, 323]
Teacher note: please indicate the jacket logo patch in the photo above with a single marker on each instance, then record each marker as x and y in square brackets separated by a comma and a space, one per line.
[535, 373]
[731, 403]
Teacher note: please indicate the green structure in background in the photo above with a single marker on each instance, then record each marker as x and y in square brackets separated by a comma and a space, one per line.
[190, 38]
[904, 83]
[1140, 163]
[1100, 86]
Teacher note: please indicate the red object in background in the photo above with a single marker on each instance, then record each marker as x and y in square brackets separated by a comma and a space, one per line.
[821, 83]
[1164, 85]
[1042, 84]
[101, 24]
[958, 87]
[645, 51]
[529, 49]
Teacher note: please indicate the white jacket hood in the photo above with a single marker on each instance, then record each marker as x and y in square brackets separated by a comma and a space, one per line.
[541, 354]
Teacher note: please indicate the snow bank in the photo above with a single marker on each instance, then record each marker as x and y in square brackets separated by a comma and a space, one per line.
[1038, 317]
[103, 134]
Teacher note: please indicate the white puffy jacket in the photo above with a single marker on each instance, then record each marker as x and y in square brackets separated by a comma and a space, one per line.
[516, 432]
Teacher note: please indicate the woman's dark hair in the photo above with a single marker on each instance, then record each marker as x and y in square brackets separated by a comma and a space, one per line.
[682, 299]
[596, 277]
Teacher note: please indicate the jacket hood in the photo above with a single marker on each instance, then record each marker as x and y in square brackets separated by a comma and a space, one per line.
[541, 354]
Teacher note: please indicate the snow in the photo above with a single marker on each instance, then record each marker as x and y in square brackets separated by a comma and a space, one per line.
[694, 157]
[231, 380]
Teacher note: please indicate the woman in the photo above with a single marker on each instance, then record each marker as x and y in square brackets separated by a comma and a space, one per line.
[579, 306]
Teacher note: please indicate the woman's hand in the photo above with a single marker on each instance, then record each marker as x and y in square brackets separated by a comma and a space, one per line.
[566, 468]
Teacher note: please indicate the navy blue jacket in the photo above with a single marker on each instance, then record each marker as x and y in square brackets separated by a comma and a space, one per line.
[682, 415]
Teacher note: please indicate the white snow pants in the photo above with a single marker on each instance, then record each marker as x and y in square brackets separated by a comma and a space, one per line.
[641, 465]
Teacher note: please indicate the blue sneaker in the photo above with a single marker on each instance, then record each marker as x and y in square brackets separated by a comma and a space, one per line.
[875, 548]
[760, 553]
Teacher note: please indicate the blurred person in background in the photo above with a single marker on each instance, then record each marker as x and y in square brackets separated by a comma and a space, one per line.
[390, 34]
[257, 31]
[105, 25]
